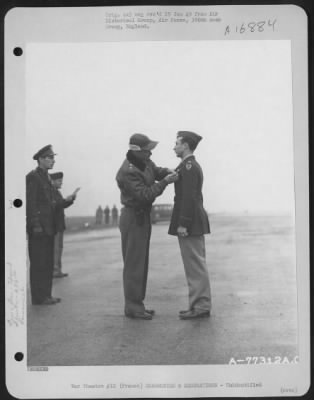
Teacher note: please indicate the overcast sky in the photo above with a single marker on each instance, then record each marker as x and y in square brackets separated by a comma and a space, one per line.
[87, 99]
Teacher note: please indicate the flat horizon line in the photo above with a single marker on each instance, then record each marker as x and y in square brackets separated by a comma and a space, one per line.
[244, 213]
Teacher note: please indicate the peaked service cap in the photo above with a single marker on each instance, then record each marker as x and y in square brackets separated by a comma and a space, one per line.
[56, 175]
[44, 152]
[138, 142]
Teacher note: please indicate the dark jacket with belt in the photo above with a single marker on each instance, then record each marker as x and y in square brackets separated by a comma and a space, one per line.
[188, 210]
[40, 202]
[61, 204]
[137, 182]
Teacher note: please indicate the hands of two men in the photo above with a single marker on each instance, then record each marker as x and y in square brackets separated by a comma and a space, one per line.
[172, 176]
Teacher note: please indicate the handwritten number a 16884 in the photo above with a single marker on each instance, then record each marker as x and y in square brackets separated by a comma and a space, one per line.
[251, 27]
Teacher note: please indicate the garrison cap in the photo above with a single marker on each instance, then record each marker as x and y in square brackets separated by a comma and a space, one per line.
[138, 142]
[44, 152]
[194, 137]
[56, 175]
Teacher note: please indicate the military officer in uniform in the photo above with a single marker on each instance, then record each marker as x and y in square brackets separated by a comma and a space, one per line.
[189, 221]
[136, 179]
[61, 204]
[40, 225]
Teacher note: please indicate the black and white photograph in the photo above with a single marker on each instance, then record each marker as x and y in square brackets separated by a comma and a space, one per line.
[163, 192]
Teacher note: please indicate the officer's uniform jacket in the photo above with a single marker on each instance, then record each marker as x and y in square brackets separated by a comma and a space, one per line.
[61, 204]
[137, 182]
[40, 202]
[188, 210]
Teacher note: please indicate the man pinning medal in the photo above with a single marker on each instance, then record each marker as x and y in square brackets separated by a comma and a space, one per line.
[140, 182]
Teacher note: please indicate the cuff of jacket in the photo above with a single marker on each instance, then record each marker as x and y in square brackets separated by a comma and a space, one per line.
[163, 183]
[163, 173]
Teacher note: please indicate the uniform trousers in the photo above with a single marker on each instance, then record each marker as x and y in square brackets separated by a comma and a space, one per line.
[135, 238]
[193, 254]
[58, 249]
[40, 249]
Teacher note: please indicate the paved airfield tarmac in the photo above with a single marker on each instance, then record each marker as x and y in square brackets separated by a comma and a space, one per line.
[251, 262]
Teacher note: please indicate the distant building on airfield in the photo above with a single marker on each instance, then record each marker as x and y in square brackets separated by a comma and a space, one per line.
[161, 212]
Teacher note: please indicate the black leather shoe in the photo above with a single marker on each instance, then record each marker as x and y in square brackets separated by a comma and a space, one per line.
[151, 312]
[59, 274]
[55, 299]
[138, 315]
[194, 314]
[183, 312]
[46, 302]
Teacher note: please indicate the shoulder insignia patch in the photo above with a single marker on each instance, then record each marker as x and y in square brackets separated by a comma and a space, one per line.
[188, 165]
